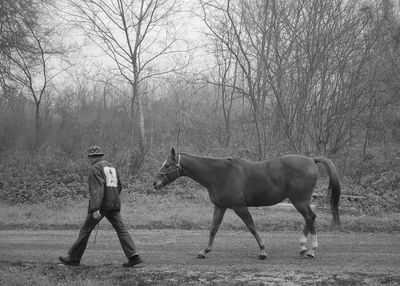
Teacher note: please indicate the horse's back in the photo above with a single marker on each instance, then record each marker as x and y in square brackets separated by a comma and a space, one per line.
[270, 182]
[287, 167]
[299, 164]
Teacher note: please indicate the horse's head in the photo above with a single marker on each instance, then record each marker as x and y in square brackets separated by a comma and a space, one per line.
[169, 171]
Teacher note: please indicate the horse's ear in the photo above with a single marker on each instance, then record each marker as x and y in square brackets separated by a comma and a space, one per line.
[173, 152]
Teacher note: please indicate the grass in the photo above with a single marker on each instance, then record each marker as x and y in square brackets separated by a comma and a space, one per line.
[50, 274]
[46, 274]
[169, 210]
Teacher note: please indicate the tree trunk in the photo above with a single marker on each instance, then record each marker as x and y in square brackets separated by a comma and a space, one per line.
[37, 126]
[137, 145]
[365, 144]
[142, 138]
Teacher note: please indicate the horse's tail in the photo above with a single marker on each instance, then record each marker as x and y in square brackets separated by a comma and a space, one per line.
[334, 187]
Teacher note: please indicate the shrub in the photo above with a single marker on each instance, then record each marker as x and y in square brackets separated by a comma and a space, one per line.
[48, 177]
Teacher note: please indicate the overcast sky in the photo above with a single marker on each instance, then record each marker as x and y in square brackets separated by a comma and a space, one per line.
[190, 31]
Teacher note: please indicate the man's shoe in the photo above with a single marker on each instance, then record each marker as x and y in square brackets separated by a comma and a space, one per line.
[134, 260]
[69, 261]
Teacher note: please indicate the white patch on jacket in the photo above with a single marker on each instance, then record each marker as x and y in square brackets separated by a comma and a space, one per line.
[111, 177]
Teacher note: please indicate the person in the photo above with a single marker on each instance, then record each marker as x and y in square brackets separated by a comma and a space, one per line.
[104, 191]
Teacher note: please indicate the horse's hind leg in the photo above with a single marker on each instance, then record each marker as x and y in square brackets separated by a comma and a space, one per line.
[244, 214]
[217, 219]
[309, 230]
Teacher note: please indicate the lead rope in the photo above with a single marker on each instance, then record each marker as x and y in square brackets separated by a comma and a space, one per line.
[179, 168]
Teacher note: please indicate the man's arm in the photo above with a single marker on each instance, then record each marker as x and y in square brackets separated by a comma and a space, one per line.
[96, 189]
[119, 184]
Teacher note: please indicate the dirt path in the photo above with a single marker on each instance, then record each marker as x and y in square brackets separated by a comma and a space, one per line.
[169, 255]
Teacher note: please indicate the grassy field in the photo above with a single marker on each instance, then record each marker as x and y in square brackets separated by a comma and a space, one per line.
[167, 210]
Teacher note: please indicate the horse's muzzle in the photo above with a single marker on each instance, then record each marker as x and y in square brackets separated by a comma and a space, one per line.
[157, 185]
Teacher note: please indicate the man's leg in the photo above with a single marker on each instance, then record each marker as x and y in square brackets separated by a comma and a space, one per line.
[124, 237]
[78, 248]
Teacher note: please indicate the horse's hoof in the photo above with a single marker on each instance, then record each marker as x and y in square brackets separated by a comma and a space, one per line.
[303, 253]
[307, 254]
[201, 256]
[310, 254]
[262, 256]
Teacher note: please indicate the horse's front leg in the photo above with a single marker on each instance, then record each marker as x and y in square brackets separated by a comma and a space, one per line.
[216, 222]
[244, 214]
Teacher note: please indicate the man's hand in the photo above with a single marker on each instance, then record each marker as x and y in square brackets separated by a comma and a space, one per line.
[96, 215]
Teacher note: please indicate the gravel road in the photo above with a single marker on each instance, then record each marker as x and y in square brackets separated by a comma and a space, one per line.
[342, 258]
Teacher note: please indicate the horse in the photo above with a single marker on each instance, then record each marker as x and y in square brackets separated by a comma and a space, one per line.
[238, 184]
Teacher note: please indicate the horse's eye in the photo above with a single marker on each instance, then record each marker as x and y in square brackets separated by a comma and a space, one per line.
[166, 166]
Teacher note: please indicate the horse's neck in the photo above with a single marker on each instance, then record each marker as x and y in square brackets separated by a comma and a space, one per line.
[200, 169]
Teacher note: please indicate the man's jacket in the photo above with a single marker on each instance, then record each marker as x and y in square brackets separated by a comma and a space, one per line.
[104, 187]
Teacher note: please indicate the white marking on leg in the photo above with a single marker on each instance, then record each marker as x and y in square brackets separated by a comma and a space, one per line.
[303, 243]
[314, 241]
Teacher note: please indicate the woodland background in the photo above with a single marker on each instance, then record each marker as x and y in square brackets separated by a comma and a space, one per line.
[253, 79]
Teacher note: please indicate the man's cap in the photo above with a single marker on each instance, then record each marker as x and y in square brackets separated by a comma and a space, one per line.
[95, 151]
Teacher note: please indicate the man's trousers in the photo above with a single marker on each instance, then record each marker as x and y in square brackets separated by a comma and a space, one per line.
[114, 217]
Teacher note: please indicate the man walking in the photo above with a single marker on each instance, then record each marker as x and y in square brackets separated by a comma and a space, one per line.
[104, 191]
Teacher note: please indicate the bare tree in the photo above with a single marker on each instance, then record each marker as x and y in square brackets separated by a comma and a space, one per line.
[13, 33]
[226, 24]
[140, 39]
[13, 14]
[303, 66]
[29, 64]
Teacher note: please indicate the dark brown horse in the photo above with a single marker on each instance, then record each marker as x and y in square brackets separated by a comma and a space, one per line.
[238, 184]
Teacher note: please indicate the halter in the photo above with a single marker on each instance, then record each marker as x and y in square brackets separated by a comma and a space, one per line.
[178, 170]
